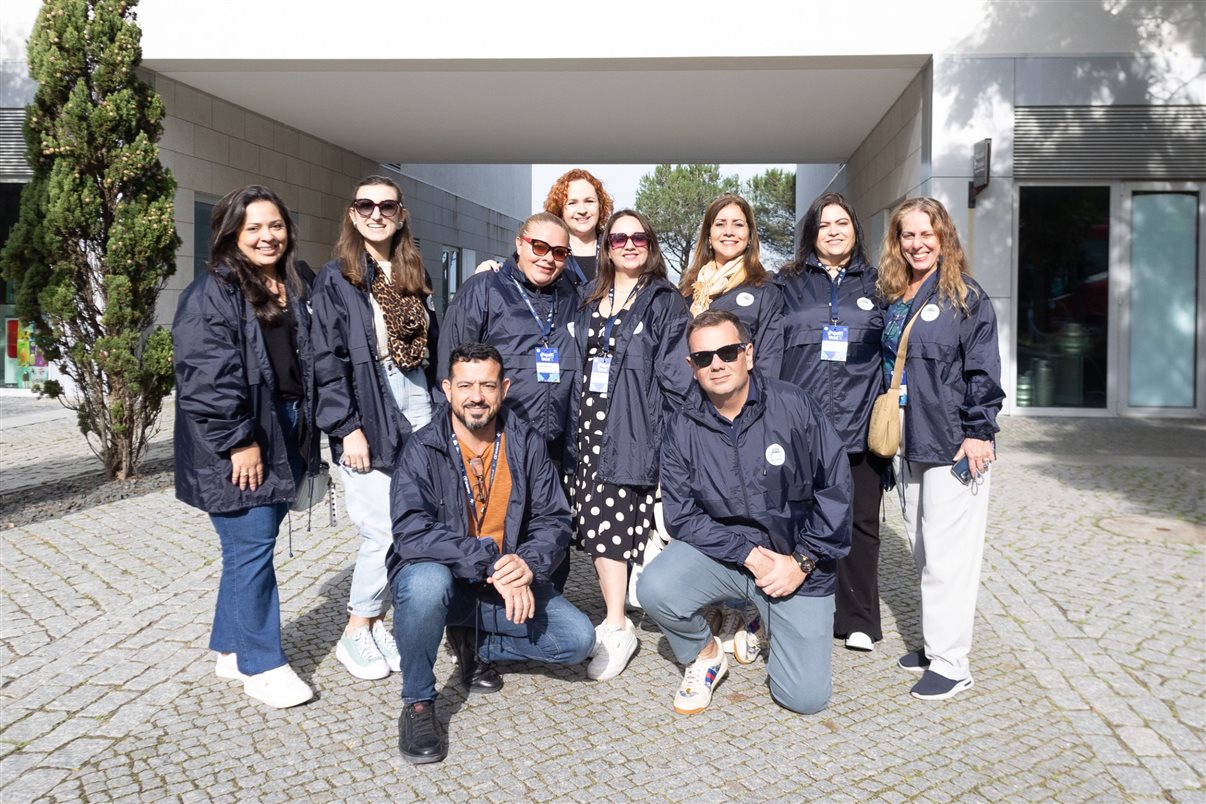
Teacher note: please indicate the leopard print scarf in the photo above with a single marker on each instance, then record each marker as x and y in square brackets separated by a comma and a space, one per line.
[405, 321]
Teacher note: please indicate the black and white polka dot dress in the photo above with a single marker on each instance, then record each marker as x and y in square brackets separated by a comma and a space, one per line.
[612, 521]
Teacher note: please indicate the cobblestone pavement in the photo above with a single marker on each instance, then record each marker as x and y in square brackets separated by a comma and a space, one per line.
[1089, 661]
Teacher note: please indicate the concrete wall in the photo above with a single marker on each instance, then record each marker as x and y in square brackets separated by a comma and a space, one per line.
[212, 146]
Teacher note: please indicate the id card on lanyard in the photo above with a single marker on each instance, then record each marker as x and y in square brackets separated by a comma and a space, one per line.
[835, 338]
[600, 366]
[548, 358]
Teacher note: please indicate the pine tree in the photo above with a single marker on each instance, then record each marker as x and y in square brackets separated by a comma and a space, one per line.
[96, 241]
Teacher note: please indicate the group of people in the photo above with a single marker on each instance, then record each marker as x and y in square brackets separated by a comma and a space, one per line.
[569, 395]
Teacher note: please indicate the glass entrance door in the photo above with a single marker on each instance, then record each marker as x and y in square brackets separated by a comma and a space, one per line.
[1063, 326]
[1161, 332]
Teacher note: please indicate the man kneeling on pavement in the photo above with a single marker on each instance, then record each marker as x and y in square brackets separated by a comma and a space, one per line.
[756, 494]
[479, 521]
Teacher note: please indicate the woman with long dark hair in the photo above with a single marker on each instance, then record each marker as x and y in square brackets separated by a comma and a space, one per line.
[631, 331]
[832, 325]
[374, 338]
[244, 424]
[952, 374]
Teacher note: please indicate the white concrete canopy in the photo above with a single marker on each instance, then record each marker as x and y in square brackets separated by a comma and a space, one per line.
[539, 82]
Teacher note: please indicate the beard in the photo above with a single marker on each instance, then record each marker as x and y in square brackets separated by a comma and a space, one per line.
[486, 414]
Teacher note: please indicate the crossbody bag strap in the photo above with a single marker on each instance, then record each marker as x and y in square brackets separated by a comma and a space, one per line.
[901, 351]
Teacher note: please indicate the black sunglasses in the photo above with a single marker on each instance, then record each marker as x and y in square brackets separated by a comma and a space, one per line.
[618, 239]
[364, 207]
[540, 248]
[727, 353]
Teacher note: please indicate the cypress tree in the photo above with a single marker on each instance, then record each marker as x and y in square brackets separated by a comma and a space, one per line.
[96, 240]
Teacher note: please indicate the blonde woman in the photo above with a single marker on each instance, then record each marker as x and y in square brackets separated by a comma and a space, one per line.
[953, 375]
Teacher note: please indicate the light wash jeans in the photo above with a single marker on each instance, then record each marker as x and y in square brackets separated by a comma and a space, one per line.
[366, 497]
[682, 580]
[428, 598]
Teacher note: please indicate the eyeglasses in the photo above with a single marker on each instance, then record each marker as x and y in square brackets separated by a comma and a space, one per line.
[540, 248]
[478, 467]
[618, 239]
[364, 207]
[727, 353]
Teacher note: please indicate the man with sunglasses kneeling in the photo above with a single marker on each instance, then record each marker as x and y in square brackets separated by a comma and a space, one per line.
[756, 494]
[480, 523]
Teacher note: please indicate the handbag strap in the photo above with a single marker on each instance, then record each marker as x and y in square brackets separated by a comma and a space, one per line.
[901, 351]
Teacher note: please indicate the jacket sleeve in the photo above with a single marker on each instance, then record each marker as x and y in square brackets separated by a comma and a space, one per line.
[464, 322]
[420, 533]
[825, 532]
[337, 413]
[211, 383]
[769, 342]
[548, 527]
[981, 368]
[687, 521]
[673, 373]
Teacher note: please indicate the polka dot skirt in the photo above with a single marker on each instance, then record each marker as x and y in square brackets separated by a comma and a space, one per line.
[612, 521]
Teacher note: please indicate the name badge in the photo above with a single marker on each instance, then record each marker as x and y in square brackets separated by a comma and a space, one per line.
[835, 342]
[904, 394]
[600, 368]
[548, 365]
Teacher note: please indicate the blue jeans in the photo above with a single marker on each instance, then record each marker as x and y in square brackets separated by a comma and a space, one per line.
[366, 497]
[682, 580]
[247, 617]
[427, 598]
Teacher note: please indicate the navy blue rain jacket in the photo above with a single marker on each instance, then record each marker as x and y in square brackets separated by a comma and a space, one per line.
[431, 512]
[761, 310]
[225, 393]
[352, 391]
[845, 391]
[953, 375]
[648, 380]
[489, 308]
[785, 484]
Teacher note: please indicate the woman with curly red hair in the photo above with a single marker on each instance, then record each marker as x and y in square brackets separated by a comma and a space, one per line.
[578, 198]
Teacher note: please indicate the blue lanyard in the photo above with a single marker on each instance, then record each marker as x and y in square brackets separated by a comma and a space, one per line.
[456, 447]
[834, 284]
[611, 319]
[546, 327]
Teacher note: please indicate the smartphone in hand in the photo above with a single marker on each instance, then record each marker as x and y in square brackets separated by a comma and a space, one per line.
[962, 471]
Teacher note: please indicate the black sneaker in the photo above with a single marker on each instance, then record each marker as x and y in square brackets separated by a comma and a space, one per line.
[478, 676]
[933, 687]
[914, 661]
[421, 736]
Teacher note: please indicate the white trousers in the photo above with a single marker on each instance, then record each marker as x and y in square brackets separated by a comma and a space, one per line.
[945, 523]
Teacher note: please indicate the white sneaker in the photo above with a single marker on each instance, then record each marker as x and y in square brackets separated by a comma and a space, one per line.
[227, 666]
[614, 648]
[384, 640]
[747, 643]
[857, 640]
[731, 622]
[702, 676]
[361, 656]
[279, 687]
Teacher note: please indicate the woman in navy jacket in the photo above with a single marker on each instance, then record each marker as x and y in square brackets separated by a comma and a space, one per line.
[244, 424]
[374, 334]
[832, 328]
[726, 273]
[525, 310]
[631, 330]
[952, 377]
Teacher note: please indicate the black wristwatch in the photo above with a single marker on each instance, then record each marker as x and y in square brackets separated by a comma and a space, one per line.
[807, 564]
